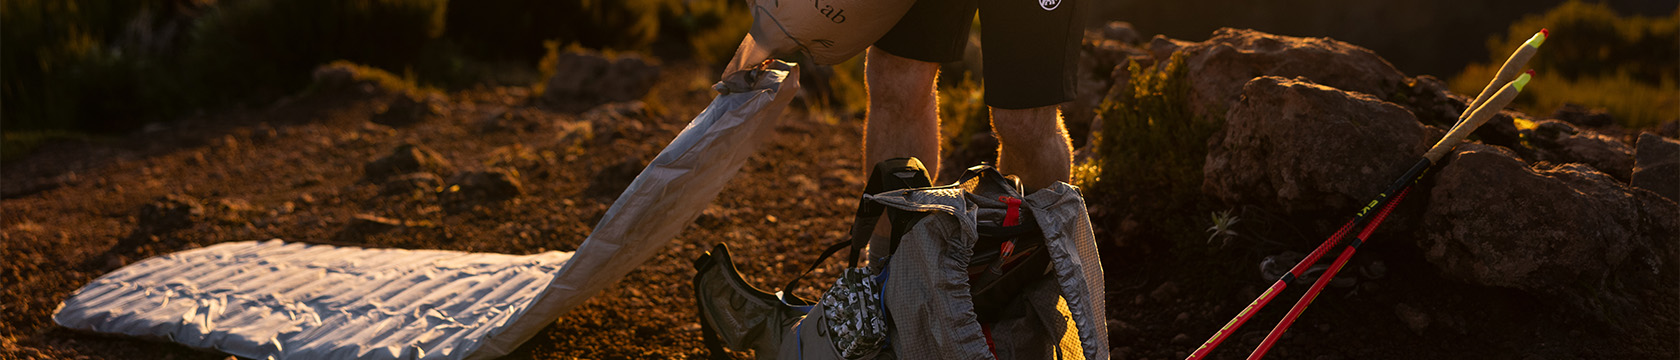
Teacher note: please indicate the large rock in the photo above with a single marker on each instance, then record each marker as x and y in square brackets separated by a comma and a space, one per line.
[584, 80]
[344, 78]
[1583, 116]
[1221, 65]
[1560, 142]
[1428, 98]
[1562, 232]
[1302, 146]
[1102, 65]
[1657, 165]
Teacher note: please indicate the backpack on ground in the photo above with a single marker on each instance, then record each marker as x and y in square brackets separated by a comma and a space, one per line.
[974, 269]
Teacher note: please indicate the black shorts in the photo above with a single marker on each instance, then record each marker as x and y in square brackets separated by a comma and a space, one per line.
[1030, 47]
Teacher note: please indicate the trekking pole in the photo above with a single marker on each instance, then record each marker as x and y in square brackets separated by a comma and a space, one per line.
[1508, 71]
[1493, 105]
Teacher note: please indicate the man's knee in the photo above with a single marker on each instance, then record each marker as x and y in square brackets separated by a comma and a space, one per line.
[1033, 125]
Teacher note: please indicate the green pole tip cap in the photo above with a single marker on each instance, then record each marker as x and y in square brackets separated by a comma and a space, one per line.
[1539, 38]
[1522, 80]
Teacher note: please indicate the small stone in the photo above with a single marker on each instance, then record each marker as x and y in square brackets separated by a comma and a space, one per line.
[405, 159]
[1164, 292]
[611, 181]
[413, 183]
[1657, 165]
[411, 108]
[1183, 316]
[368, 223]
[492, 185]
[1121, 31]
[1181, 339]
[170, 212]
[1415, 319]
[803, 184]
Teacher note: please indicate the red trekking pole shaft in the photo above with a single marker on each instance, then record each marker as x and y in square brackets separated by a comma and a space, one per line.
[1272, 292]
[1317, 286]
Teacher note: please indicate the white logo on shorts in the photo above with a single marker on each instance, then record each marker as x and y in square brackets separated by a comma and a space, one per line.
[1049, 4]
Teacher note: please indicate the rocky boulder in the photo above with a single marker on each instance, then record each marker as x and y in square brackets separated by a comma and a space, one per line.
[344, 78]
[1301, 146]
[170, 212]
[583, 80]
[405, 159]
[1493, 220]
[1657, 165]
[1559, 142]
[1428, 98]
[1583, 116]
[1103, 56]
[411, 108]
[1121, 31]
[413, 184]
[1221, 65]
[481, 187]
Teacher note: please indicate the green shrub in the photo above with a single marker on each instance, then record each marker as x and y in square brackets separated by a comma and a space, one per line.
[1149, 153]
[713, 27]
[268, 47]
[1596, 58]
[1149, 140]
[962, 112]
[75, 64]
[59, 70]
[510, 29]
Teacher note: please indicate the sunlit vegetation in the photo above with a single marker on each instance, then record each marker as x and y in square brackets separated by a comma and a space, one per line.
[1628, 65]
[1150, 151]
[112, 66]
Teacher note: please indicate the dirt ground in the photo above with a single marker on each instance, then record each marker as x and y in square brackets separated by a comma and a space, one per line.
[293, 170]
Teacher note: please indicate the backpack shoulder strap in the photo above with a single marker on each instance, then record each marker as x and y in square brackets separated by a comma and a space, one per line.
[893, 174]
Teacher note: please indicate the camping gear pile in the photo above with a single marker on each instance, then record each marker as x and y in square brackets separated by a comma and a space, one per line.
[289, 301]
[298, 301]
[1499, 92]
[977, 269]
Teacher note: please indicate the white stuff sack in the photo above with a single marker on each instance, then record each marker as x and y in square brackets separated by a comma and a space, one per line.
[824, 32]
[279, 300]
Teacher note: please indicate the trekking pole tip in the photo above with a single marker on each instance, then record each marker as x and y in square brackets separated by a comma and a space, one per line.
[1538, 38]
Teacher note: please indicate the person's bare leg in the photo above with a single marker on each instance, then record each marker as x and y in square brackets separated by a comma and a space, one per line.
[1033, 145]
[903, 121]
[903, 117]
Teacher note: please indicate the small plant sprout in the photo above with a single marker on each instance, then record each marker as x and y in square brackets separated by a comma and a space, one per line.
[1222, 222]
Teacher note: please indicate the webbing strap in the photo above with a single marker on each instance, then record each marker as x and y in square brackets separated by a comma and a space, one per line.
[894, 174]
[714, 346]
